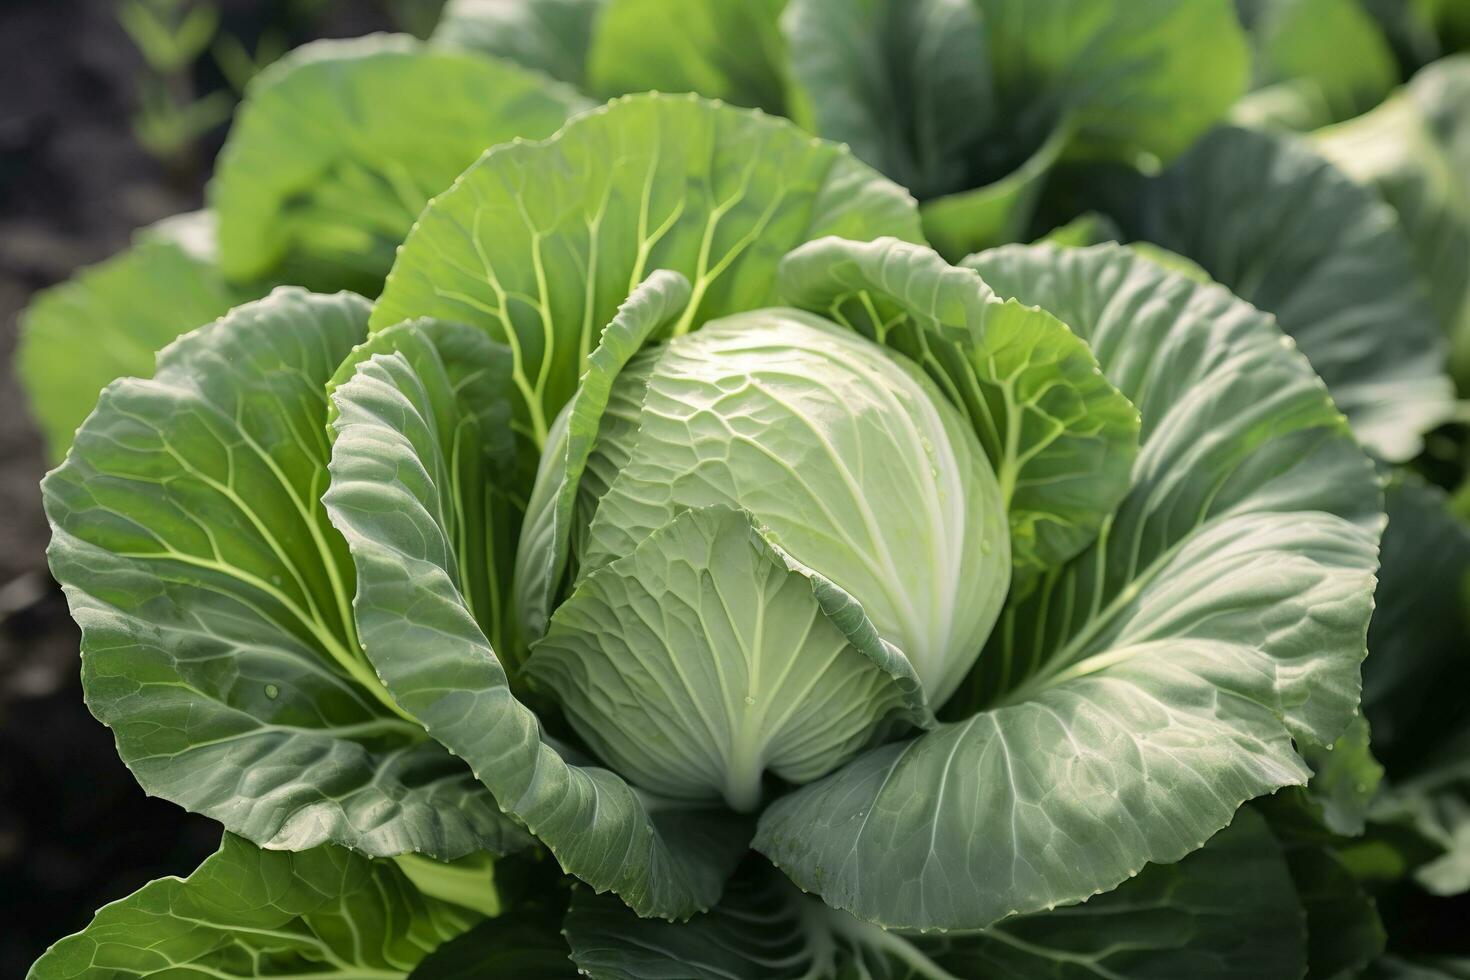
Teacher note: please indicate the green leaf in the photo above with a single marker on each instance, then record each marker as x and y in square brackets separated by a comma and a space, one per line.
[540, 243]
[997, 212]
[1061, 438]
[550, 36]
[544, 548]
[1414, 683]
[215, 599]
[708, 656]
[1143, 691]
[781, 413]
[1323, 60]
[1288, 232]
[972, 105]
[247, 912]
[1088, 228]
[109, 320]
[1345, 779]
[1414, 149]
[717, 49]
[339, 145]
[759, 931]
[1344, 933]
[1228, 911]
[1423, 968]
[1134, 76]
[905, 83]
[468, 881]
[523, 944]
[415, 499]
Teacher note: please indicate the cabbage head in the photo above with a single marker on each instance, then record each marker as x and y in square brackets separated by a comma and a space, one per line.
[747, 482]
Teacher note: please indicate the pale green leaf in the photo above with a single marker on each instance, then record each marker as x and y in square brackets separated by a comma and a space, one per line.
[1285, 230]
[1061, 438]
[540, 243]
[1345, 778]
[544, 548]
[708, 657]
[339, 145]
[1139, 694]
[215, 599]
[108, 321]
[252, 913]
[468, 881]
[413, 497]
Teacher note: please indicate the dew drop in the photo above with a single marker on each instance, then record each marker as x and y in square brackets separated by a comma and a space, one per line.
[272, 692]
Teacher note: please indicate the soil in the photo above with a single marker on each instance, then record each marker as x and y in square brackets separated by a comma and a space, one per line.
[76, 832]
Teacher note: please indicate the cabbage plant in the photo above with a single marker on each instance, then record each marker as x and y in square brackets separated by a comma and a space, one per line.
[681, 569]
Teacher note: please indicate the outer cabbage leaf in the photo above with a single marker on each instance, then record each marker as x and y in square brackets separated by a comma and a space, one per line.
[718, 49]
[550, 36]
[1414, 149]
[708, 656]
[339, 145]
[247, 913]
[215, 599]
[1148, 687]
[540, 243]
[1228, 911]
[1061, 438]
[109, 320]
[1287, 231]
[413, 492]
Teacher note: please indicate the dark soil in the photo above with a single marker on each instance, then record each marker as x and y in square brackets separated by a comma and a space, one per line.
[76, 832]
